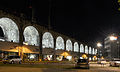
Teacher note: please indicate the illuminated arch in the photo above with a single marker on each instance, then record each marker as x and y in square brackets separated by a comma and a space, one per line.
[59, 43]
[68, 45]
[76, 47]
[86, 49]
[90, 50]
[93, 51]
[47, 40]
[81, 48]
[10, 29]
[31, 35]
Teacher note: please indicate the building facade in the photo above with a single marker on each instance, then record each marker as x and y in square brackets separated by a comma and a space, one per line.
[111, 47]
[32, 41]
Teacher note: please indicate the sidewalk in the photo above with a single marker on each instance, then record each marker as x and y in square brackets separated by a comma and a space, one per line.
[99, 65]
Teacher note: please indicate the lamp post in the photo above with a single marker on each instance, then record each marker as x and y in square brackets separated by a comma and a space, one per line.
[20, 49]
[99, 45]
[118, 49]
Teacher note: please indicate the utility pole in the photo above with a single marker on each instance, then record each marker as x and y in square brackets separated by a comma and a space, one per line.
[32, 11]
[118, 48]
[49, 16]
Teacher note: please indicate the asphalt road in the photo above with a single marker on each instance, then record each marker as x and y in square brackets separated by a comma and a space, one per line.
[93, 68]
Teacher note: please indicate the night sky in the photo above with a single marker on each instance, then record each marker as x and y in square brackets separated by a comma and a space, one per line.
[88, 21]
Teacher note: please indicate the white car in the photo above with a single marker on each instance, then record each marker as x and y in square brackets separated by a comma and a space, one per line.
[12, 59]
[115, 62]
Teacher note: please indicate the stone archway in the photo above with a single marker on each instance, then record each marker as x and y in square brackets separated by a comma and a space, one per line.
[47, 40]
[31, 35]
[10, 29]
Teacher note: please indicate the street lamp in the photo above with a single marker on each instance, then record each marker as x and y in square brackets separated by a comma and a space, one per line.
[99, 45]
[21, 49]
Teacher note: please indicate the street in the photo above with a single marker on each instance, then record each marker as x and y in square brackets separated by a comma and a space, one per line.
[93, 68]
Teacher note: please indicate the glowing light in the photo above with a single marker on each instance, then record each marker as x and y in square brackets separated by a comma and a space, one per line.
[94, 57]
[99, 44]
[59, 58]
[81, 57]
[90, 58]
[49, 57]
[25, 43]
[113, 38]
[32, 56]
[69, 57]
[102, 57]
[84, 56]
[65, 54]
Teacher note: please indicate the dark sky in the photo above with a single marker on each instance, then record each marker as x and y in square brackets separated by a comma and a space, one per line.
[88, 21]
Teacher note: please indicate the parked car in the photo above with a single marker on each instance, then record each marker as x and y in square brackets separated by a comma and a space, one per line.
[115, 62]
[12, 59]
[82, 63]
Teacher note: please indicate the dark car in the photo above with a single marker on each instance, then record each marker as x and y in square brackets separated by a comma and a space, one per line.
[82, 63]
[12, 59]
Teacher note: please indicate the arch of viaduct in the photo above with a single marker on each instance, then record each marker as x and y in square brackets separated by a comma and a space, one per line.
[17, 31]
